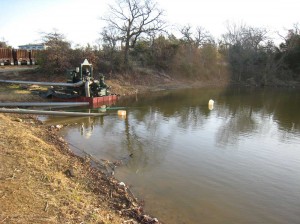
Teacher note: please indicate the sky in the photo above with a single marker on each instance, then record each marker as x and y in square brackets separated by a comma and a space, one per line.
[24, 21]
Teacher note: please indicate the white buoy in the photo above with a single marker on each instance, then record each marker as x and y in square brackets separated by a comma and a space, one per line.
[211, 104]
[122, 114]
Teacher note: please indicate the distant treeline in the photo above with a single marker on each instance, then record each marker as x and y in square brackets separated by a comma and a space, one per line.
[138, 43]
[245, 56]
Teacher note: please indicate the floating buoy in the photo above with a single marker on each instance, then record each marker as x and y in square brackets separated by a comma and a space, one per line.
[122, 112]
[211, 104]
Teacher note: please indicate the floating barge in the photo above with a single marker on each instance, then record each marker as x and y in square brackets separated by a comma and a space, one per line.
[80, 87]
[94, 102]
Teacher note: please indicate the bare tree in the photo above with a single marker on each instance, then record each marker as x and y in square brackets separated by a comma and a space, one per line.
[198, 38]
[234, 35]
[202, 37]
[246, 51]
[289, 51]
[110, 38]
[187, 34]
[133, 18]
[56, 58]
[3, 43]
[245, 36]
[295, 30]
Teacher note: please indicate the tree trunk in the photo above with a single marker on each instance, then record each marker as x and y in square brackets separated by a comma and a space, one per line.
[126, 52]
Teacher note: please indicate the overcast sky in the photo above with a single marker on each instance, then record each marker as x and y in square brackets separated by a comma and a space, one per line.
[22, 21]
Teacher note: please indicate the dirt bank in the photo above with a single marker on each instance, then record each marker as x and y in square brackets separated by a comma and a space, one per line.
[125, 84]
[43, 182]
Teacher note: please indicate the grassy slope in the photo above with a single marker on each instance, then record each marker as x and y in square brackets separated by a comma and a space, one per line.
[34, 186]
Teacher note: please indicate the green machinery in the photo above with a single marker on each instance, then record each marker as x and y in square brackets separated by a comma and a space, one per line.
[85, 74]
[80, 82]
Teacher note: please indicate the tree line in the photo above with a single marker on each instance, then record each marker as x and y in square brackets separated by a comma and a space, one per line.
[137, 39]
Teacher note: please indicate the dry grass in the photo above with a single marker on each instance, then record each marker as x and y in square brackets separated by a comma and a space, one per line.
[34, 186]
[42, 181]
[17, 93]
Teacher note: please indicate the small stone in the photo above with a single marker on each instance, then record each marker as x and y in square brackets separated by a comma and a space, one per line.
[18, 120]
[59, 126]
[61, 140]
[70, 173]
[122, 184]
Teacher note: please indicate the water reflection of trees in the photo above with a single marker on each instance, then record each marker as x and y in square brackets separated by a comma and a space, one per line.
[252, 110]
[145, 139]
[154, 121]
[176, 102]
[238, 123]
[244, 110]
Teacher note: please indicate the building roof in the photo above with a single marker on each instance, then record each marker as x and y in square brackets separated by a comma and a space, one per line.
[32, 46]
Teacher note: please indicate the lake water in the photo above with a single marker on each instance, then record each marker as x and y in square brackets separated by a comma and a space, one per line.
[236, 163]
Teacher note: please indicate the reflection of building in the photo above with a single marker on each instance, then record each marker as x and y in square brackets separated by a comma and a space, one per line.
[32, 47]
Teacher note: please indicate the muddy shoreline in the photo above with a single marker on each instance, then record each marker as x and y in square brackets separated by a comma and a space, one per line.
[109, 196]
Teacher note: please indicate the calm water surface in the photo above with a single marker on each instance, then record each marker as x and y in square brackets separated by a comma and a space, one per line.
[237, 163]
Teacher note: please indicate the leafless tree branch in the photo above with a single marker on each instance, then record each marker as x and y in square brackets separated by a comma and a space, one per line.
[134, 18]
